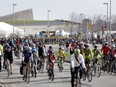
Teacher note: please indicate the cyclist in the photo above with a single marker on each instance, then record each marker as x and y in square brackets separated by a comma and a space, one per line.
[27, 59]
[51, 59]
[105, 51]
[48, 54]
[72, 47]
[61, 55]
[96, 53]
[77, 62]
[41, 56]
[88, 55]
[40, 51]
[34, 52]
[9, 59]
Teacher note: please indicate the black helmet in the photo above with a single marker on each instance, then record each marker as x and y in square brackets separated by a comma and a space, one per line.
[50, 47]
[95, 46]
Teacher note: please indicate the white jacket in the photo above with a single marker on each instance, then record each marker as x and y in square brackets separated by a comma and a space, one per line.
[75, 63]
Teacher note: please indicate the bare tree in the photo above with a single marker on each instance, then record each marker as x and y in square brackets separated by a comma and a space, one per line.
[73, 19]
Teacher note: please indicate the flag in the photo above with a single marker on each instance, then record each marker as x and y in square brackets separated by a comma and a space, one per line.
[89, 25]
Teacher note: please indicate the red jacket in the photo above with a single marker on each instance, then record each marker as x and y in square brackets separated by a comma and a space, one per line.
[106, 50]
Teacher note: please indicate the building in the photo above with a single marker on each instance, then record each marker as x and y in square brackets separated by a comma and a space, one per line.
[21, 15]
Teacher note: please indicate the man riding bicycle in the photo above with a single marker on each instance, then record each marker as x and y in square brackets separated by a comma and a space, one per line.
[61, 56]
[77, 62]
[87, 54]
[96, 53]
[27, 60]
[105, 51]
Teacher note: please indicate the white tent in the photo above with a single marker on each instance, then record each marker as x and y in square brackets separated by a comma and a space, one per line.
[7, 29]
[61, 33]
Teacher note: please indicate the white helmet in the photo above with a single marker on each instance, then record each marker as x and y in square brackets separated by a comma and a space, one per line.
[28, 48]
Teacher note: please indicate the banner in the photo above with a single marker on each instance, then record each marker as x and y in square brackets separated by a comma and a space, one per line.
[67, 23]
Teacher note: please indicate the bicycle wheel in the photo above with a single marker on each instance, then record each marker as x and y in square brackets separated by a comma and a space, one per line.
[89, 75]
[84, 76]
[28, 76]
[60, 66]
[98, 70]
[52, 75]
[108, 67]
[94, 70]
[78, 84]
[35, 73]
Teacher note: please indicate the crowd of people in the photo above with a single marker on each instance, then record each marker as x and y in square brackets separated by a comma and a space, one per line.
[31, 49]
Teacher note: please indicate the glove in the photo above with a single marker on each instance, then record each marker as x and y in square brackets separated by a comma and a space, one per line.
[85, 69]
[73, 69]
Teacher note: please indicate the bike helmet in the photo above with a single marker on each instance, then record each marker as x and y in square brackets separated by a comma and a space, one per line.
[50, 47]
[95, 46]
[76, 51]
[86, 45]
[106, 43]
[28, 48]
[34, 50]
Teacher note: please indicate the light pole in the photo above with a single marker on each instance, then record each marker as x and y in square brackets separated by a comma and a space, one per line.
[48, 24]
[107, 18]
[80, 20]
[13, 17]
[110, 23]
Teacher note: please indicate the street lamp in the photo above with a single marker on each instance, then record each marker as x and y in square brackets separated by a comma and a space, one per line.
[13, 17]
[110, 23]
[107, 17]
[48, 23]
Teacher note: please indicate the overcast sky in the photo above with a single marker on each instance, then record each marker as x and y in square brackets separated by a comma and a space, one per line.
[60, 9]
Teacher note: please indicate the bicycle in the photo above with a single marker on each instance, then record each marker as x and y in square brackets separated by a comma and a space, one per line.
[88, 74]
[60, 64]
[51, 72]
[34, 67]
[106, 64]
[40, 65]
[77, 80]
[96, 68]
[28, 72]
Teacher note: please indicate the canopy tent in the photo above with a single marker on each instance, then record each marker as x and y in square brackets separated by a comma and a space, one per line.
[61, 33]
[7, 29]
